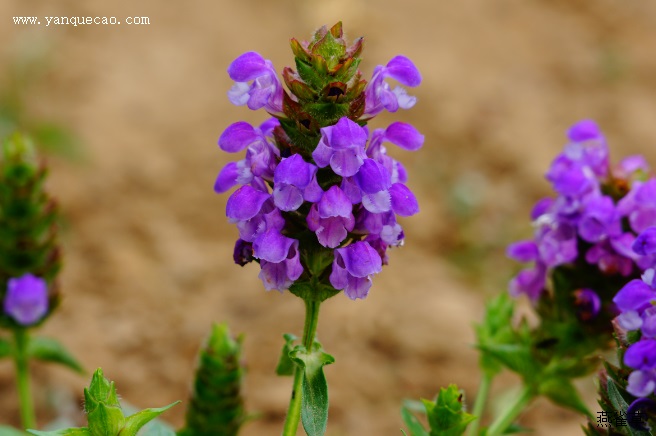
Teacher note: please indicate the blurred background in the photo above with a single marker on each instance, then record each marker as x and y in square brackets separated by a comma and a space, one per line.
[129, 117]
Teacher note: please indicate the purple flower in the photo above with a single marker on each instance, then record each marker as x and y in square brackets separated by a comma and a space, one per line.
[261, 154]
[599, 219]
[641, 383]
[279, 260]
[353, 267]
[401, 134]
[243, 252]
[645, 243]
[342, 147]
[635, 295]
[529, 282]
[264, 92]
[641, 355]
[379, 225]
[587, 304]
[378, 94]
[331, 218]
[294, 182]
[26, 300]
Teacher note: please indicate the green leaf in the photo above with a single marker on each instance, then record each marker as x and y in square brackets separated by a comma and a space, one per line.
[314, 399]
[285, 364]
[6, 430]
[616, 398]
[134, 422]
[516, 357]
[51, 350]
[413, 424]
[66, 432]
[563, 393]
[496, 328]
[6, 350]
[446, 416]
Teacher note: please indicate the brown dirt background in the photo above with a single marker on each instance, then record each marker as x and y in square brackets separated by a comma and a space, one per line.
[147, 246]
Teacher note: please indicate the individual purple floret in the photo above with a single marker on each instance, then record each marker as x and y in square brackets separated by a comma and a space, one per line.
[261, 154]
[26, 300]
[353, 267]
[265, 91]
[641, 356]
[295, 182]
[279, 259]
[331, 218]
[341, 147]
[378, 94]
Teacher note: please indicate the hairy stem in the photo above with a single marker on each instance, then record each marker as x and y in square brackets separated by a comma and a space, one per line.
[479, 403]
[28, 419]
[309, 332]
[511, 413]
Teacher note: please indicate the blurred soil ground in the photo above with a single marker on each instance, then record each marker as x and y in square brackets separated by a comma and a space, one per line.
[147, 245]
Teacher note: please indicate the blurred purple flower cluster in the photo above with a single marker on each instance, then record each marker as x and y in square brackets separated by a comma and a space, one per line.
[594, 218]
[637, 304]
[346, 190]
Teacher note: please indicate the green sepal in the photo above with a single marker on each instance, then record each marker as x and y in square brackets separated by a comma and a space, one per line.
[105, 420]
[133, 423]
[314, 397]
[83, 431]
[51, 350]
[562, 392]
[327, 114]
[313, 291]
[6, 430]
[446, 416]
[285, 364]
[414, 426]
[6, 348]
[308, 74]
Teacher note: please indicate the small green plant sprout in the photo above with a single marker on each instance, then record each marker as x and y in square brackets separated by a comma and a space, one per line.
[216, 406]
[105, 415]
[446, 415]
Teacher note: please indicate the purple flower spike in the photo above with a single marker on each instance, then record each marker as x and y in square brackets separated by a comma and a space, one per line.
[342, 147]
[332, 218]
[26, 300]
[645, 243]
[378, 95]
[292, 176]
[265, 91]
[353, 267]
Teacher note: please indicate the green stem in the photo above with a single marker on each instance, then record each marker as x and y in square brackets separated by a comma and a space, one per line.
[23, 379]
[479, 404]
[309, 332]
[511, 413]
